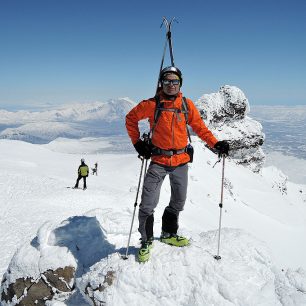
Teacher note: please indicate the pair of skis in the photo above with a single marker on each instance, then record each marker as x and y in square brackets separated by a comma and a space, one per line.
[168, 42]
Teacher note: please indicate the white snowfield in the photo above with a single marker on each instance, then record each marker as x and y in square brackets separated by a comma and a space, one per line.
[47, 226]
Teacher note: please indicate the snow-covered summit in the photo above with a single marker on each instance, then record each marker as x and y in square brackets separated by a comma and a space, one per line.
[225, 113]
[245, 275]
[49, 227]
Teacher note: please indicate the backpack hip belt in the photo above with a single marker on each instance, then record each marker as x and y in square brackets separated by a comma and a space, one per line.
[159, 151]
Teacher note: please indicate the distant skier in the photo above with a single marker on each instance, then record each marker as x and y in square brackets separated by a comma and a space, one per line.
[82, 174]
[95, 169]
[170, 155]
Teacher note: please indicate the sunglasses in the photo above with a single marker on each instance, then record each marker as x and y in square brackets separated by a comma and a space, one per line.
[173, 82]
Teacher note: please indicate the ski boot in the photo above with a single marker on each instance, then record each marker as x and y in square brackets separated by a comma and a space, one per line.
[174, 239]
[144, 251]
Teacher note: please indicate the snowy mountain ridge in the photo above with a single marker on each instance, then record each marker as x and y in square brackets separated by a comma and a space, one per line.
[113, 109]
[69, 121]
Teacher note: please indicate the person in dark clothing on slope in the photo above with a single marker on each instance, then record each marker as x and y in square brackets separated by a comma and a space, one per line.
[82, 174]
[95, 169]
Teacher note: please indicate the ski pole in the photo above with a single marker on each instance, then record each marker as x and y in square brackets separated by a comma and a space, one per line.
[218, 257]
[135, 205]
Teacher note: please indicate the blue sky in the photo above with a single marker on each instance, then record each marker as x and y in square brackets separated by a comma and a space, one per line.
[63, 51]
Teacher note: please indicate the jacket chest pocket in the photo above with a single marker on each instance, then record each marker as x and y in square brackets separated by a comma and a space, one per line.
[180, 122]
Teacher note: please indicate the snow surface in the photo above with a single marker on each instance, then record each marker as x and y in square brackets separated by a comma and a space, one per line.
[293, 167]
[47, 225]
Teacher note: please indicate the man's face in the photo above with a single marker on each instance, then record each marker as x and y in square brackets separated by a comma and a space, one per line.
[170, 87]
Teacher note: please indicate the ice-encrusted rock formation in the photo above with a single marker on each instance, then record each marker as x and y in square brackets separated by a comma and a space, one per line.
[225, 113]
[45, 268]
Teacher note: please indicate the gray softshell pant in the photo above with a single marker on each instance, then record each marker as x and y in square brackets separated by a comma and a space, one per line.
[150, 196]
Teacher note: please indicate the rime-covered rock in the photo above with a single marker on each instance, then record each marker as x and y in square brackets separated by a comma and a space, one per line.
[45, 268]
[225, 113]
[39, 271]
[31, 292]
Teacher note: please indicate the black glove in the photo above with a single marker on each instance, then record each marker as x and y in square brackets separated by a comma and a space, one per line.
[143, 149]
[222, 148]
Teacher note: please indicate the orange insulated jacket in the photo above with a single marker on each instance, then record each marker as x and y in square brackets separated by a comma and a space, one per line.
[170, 132]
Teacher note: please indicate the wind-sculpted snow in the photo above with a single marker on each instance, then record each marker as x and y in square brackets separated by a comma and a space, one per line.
[191, 276]
[225, 113]
[245, 275]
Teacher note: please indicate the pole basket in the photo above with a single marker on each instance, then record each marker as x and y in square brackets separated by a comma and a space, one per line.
[217, 257]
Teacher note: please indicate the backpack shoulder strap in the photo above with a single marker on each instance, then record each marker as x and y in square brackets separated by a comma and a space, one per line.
[157, 113]
[185, 108]
[185, 111]
[158, 107]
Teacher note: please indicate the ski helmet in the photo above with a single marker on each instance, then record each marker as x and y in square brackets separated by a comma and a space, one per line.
[171, 69]
[82, 160]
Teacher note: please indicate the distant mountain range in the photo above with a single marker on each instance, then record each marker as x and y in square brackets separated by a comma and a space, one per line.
[70, 121]
[284, 126]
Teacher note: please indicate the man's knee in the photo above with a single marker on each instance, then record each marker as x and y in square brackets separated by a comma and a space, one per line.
[146, 210]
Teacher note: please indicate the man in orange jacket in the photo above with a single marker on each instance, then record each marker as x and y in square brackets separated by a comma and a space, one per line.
[168, 154]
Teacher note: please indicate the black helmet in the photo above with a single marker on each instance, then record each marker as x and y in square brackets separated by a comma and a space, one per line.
[171, 69]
